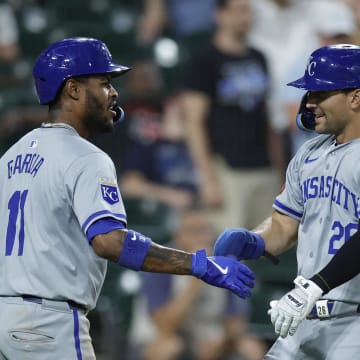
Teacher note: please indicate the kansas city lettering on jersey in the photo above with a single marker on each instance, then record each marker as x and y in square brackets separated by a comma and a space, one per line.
[328, 186]
[25, 164]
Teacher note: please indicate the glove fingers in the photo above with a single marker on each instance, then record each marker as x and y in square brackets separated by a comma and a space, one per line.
[244, 270]
[294, 325]
[228, 243]
[245, 281]
[240, 291]
[278, 323]
[284, 330]
[274, 314]
[245, 275]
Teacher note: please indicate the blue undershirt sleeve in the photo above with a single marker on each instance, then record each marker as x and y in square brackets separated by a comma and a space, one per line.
[103, 226]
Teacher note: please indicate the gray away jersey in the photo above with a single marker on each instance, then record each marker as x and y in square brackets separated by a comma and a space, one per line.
[322, 191]
[53, 186]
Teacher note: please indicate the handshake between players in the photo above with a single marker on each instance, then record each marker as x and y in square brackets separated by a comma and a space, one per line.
[287, 313]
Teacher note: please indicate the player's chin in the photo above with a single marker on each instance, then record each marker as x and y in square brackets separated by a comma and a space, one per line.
[320, 126]
[322, 130]
[105, 126]
[108, 125]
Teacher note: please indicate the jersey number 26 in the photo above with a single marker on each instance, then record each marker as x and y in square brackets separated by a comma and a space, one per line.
[341, 234]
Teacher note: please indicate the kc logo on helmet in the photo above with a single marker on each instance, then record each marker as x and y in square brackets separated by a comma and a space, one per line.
[311, 67]
[110, 193]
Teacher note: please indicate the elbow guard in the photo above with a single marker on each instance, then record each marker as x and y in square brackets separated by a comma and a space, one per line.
[134, 251]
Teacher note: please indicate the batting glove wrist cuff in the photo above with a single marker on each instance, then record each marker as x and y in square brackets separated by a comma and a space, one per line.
[199, 263]
[312, 291]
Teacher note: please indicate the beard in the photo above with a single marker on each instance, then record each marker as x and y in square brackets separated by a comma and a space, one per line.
[96, 118]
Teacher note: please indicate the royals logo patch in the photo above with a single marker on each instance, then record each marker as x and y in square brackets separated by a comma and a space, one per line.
[110, 193]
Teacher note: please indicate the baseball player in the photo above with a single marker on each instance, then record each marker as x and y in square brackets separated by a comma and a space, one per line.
[319, 211]
[63, 216]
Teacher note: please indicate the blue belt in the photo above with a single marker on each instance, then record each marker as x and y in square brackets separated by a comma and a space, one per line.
[38, 300]
[324, 309]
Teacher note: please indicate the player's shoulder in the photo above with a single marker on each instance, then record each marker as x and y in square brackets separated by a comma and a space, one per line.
[67, 142]
[84, 150]
[318, 141]
[315, 145]
[24, 141]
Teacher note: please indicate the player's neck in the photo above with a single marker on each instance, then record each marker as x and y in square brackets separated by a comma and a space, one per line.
[349, 134]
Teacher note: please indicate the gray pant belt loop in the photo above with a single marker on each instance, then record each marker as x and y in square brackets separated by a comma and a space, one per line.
[38, 300]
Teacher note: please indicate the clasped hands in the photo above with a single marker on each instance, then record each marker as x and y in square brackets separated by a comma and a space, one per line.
[287, 313]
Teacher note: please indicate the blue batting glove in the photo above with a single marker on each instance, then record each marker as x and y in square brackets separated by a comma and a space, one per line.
[241, 243]
[223, 272]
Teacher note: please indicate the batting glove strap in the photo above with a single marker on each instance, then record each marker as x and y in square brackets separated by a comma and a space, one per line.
[223, 272]
[311, 291]
[199, 263]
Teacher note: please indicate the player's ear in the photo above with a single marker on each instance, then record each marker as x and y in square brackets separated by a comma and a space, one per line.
[355, 99]
[72, 88]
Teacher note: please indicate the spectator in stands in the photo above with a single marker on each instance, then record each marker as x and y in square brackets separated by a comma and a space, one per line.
[16, 116]
[236, 151]
[174, 17]
[355, 6]
[162, 169]
[142, 102]
[9, 35]
[281, 31]
[182, 319]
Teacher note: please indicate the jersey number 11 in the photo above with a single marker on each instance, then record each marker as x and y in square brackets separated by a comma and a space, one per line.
[16, 206]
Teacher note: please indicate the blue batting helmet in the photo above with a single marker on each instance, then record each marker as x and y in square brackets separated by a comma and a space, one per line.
[68, 58]
[331, 67]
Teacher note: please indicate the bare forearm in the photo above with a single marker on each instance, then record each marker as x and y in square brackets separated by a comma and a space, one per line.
[166, 260]
[158, 258]
[279, 233]
[196, 107]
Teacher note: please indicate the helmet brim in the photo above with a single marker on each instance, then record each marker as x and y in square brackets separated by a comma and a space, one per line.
[117, 70]
[299, 83]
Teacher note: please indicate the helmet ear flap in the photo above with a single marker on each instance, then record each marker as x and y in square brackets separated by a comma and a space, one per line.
[305, 119]
[120, 115]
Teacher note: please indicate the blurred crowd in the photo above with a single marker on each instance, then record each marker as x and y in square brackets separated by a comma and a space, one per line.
[209, 130]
